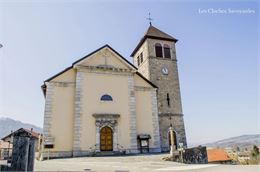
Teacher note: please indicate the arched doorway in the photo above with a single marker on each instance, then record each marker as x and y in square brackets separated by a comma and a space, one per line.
[106, 139]
[175, 139]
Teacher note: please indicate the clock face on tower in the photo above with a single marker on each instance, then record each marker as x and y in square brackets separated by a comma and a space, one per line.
[165, 70]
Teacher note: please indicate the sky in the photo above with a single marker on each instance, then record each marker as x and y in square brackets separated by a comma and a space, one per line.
[217, 52]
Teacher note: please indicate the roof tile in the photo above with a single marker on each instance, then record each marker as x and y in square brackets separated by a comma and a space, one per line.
[217, 155]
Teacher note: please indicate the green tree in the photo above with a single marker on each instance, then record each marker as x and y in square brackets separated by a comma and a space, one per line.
[255, 152]
[255, 155]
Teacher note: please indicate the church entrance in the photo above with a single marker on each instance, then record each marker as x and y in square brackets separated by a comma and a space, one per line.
[106, 139]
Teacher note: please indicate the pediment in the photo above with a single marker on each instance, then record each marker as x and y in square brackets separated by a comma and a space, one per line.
[105, 57]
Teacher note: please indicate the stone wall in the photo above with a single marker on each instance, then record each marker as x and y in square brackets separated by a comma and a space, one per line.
[167, 84]
[168, 114]
[156, 128]
[178, 126]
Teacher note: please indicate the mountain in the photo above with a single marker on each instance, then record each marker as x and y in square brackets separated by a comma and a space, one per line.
[242, 141]
[7, 125]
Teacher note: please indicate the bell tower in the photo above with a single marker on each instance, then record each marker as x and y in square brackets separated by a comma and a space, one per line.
[155, 58]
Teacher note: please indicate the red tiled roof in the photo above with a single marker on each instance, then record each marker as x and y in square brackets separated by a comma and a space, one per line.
[33, 133]
[217, 155]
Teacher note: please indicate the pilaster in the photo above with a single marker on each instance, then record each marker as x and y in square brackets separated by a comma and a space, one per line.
[156, 132]
[48, 110]
[97, 146]
[77, 114]
[132, 114]
[115, 138]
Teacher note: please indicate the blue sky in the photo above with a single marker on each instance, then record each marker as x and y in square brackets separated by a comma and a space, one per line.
[217, 55]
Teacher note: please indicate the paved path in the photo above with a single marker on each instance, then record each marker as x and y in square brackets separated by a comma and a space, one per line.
[140, 163]
[213, 168]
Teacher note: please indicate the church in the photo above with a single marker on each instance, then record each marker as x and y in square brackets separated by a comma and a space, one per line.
[104, 104]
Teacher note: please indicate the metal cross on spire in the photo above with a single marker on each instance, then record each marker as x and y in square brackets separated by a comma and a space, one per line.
[150, 19]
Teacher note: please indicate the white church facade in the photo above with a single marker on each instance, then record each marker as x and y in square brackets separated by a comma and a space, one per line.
[103, 103]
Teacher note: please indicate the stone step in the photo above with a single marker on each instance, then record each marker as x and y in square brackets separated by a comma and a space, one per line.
[108, 153]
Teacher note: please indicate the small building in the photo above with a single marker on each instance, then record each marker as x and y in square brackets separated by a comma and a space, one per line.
[243, 157]
[218, 156]
[5, 150]
[8, 140]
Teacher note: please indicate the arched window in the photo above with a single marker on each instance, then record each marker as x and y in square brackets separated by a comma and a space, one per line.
[106, 97]
[167, 51]
[158, 50]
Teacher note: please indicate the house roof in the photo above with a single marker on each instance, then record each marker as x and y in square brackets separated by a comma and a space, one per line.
[217, 155]
[30, 132]
[153, 33]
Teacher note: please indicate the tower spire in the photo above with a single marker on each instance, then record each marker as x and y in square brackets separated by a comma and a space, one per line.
[150, 19]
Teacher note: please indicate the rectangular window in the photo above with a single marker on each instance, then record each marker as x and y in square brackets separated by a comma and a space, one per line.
[49, 146]
[138, 60]
[158, 51]
[168, 100]
[167, 53]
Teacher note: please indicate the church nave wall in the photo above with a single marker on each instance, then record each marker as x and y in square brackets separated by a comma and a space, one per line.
[61, 127]
[94, 86]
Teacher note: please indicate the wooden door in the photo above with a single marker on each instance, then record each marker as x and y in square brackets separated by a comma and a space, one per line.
[106, 139]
